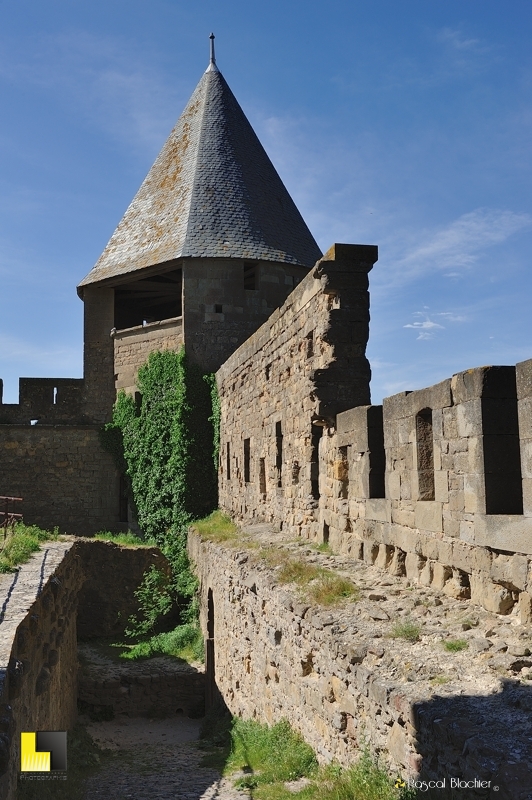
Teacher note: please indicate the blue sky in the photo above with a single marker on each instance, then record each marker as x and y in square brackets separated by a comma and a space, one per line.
[399, 123]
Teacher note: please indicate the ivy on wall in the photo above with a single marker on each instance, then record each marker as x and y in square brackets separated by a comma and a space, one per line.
[165, 439]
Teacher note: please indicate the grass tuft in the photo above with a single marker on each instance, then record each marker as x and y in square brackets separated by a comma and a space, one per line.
[455, 645]
[406, 629]
[320, 585]
[22, 543]
[439, 680]
[127, 539]
[217, 527]
[270, 754]
[184, 642]
[270, 758]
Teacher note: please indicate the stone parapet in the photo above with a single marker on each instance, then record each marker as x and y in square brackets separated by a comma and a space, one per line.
[346, 679]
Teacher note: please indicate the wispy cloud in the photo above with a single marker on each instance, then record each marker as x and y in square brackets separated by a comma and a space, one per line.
[456, 40]
[425, 327]
[458, 245]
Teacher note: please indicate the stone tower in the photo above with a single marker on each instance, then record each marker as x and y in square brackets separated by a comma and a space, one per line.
[211, 244]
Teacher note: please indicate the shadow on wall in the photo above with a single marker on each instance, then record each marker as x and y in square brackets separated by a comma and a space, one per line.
[460, 738]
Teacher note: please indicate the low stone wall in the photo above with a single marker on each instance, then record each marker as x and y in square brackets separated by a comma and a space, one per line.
[95, 582]
[159, 687]
[38, 652]
[112, 573]
[338, 678]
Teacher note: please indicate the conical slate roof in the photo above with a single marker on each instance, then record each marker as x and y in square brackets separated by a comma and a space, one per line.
[212, 192]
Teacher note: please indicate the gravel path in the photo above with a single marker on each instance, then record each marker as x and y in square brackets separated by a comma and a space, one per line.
[155, 760]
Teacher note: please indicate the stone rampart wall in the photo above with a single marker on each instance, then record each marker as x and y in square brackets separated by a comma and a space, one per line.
[132, 347]
[435, 485]
[40, 606]
[303, 366]
[38, 661]
[50, 400]
[445, 507]
[327, 671]
[64, 476]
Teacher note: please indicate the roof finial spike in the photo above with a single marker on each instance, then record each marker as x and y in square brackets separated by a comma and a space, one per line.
[212, 64]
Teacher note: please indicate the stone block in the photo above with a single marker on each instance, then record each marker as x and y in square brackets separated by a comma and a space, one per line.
[393, 485]
[451, 527]
[440, 575]
[504, 532]
[494, 382]
[378, 509]
[397, 744]
[385, 556]
[450, 430]
[441, 486]
[414, 563]
[428, 515]
[527, 497]
[397, 564]
[526, 457]
[489, 595]
[523, 374]
[525, 417]
[525, 608]
[474, 494]
[425, 576]
[407, 539]
[404, 516]
[510, 570]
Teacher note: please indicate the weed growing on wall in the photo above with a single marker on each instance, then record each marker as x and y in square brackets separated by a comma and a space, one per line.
[272, 758]
[21, 543]
[166, 442]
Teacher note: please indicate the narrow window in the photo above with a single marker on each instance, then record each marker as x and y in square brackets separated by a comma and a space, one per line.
[343, 473]
[317, 432]
[310, 344]
[425, 454]
[246, 460]
[502, 456]
[262, 476]
[325, 533]
[279, 453]
[250, 276]
[377, 455]
[55, 396]
[218, 308]
[228, 461]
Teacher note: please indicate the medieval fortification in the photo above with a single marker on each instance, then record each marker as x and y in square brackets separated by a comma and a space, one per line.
[431, 491]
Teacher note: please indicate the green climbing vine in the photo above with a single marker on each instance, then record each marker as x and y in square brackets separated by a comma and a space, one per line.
[166, 441]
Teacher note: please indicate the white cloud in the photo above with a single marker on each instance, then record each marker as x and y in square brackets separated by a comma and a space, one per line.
[459, 244]
[456, 40]
[426, 327]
